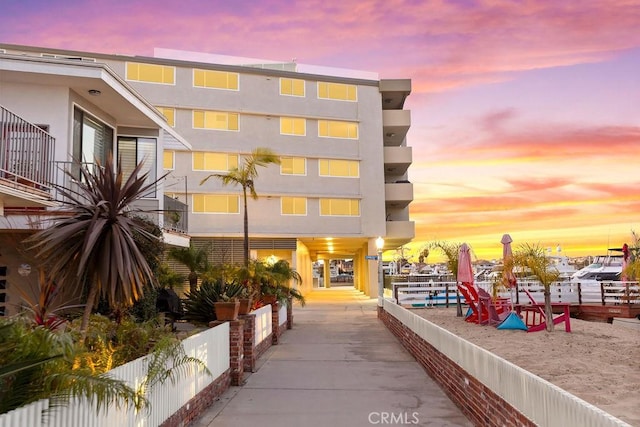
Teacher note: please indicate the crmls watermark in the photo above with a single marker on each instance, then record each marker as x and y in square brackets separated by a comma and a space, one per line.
[392, 418]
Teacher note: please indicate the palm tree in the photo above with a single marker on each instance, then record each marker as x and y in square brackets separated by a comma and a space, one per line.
[245, 176]
[533, 258]
[93, 244]
[281, 274]
[451, 252]
[195, 259]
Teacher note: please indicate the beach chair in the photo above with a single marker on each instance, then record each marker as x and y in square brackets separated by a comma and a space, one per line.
[495, 313]
[470, 295]
[536, 319]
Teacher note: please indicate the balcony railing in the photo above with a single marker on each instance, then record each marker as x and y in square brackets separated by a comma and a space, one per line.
[26, 152]
[176, 215]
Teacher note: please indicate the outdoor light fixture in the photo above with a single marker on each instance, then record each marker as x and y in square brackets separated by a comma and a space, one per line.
[94, 92]
[379, 246]
[24, 270]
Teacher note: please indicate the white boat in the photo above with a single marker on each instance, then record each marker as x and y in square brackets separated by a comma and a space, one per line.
[562, 265]
[603, 267]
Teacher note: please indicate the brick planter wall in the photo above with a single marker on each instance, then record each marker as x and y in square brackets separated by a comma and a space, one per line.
[249, 344]
[275, 323]
[264, 346]
[199, 403]
[289, 312]
[478, 403]
[236, 350]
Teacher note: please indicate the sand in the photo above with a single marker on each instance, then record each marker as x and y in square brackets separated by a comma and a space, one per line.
[597, 362]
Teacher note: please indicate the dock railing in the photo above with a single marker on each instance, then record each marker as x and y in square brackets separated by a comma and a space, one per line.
[443, 294]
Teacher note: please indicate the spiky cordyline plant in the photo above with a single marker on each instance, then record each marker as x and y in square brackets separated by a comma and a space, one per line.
[45, 307]
[91, 244]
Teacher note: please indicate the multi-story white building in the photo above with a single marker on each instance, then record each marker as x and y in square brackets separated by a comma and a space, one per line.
[341, 138]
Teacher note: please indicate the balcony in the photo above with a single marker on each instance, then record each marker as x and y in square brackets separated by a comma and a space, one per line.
[176, 215]
[397, 160]
[395, 125]
[398, 194]
[394, 93]
[400, 232]
[26, 167]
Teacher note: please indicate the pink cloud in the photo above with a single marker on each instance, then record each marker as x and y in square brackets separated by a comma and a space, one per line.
[441, 45]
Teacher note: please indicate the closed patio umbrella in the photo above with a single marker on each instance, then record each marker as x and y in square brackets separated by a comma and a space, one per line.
[465, 272]
[508, 277]
[512, 321]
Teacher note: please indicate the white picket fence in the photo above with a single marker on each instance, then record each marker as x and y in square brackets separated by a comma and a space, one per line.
[282, 314]
[210, 346]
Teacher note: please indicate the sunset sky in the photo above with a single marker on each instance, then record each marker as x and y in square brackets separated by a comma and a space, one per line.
[525, 114]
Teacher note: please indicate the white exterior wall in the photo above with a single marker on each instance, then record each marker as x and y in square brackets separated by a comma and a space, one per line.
[260, 106]
[42, 105]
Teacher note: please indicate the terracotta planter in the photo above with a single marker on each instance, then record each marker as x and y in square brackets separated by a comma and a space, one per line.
[226, 310]
[269, 299]
[245, 306]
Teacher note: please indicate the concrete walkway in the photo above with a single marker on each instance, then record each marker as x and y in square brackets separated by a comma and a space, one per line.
[339, 366]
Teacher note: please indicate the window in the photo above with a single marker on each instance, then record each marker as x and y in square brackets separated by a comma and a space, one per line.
[337, 91]
[151, 73]
[169, 114]
[335, 129]
[291, 87]
[215, 79]
[169, 160]
[215, 120]
[339, 207]
[133, 151]
[205, 161]
[293, 126]
[345, 168]
[293, 205]
[92, 139]
[293, 166]
[216, 203]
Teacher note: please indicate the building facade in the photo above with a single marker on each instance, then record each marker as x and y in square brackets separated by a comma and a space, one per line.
[343, 174]
[54, 110]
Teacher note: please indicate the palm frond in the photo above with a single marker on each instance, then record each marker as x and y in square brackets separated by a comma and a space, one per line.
[168, 361]
[451, 251]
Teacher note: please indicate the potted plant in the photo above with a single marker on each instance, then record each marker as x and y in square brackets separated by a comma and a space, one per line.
[200, 303]
[270, 293]
[246, 300]
[227, 307]
[277, 283]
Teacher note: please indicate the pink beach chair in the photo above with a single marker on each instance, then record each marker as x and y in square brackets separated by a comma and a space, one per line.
[495, 313]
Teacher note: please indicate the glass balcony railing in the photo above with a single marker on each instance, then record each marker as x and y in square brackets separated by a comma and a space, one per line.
[175, 215]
